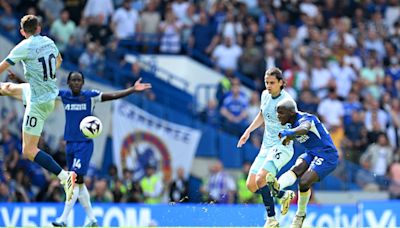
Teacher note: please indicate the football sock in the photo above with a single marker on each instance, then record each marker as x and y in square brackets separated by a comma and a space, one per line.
[69, 205]
[268, 200]
[47, 162]
[287, 179]
[84, 199]
[304, 197]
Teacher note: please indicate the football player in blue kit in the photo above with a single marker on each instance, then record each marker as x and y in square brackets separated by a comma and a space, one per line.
[320, 157]
[78, 104]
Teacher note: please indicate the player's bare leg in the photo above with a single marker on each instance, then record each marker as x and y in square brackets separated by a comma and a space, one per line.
[306, 181]
[11, 89]
[32, 152]
[266, 194]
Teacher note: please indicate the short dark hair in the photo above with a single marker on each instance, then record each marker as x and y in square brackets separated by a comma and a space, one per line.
[29, 23]
[274, 71]
[75, 72]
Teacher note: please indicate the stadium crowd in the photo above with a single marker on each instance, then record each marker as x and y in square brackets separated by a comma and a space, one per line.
[340, 60]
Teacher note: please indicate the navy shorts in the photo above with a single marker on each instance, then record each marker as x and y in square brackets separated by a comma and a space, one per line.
[78, 156]
[323, 164]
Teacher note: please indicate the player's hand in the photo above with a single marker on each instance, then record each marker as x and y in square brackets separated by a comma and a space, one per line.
[285, 133]
[11, 75]
[139, 86]
[243, 139]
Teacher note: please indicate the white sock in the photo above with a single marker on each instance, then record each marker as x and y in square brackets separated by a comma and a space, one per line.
[63, 175]
[287, 179]
[304, 197]
[84, 199]
[69, 205]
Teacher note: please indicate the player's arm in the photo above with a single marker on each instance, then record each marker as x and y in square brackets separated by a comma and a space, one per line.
[290, 134]
[257, 122]
[14, 77]
[59, 60]
[3, 66]
[137, 87]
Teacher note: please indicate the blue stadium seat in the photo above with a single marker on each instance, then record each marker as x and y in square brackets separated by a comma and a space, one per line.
[229, 155]
[208, 142]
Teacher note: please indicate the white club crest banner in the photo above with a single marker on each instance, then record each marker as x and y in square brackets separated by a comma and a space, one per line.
[141, 139]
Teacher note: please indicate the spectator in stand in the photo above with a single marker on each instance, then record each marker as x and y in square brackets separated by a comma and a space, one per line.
[376, 115]
[377, 159]
[320, 77]
[98, 32]
[234, 111]
[62, 29]
[6, 193]
[52, 9]
[90, 60]
[220, 186]
[101, 193]
[226, 55]
[232, 28]
[331, 110]
[308, 102]
[394, 175]
[149, 22]
[152, 185]
[170, 30]
[355, 136]
[372, 77]
[210, 114]
[8, 21]
[54, 192]
[203, 34]
[344, 77]
[180, 9]
[250, 62]
[179, 188]
[125, 21]
[99, 9]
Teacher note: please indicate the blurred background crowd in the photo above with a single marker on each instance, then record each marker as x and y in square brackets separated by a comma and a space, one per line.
[340, 60]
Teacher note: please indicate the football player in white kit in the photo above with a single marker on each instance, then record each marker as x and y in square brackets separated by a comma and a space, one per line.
[273, 155]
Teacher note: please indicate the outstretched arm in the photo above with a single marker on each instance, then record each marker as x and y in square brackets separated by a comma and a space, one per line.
[257, 122]
[289, 134]
[137, 87]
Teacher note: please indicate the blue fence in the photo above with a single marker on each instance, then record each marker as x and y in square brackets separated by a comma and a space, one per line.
[363, 214]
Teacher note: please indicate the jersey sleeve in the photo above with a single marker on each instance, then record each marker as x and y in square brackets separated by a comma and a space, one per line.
[17, 54]
[304, 119]
[95, 95]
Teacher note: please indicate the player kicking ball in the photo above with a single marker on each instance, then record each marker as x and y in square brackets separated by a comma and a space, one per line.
[40, 58]
[79, 149]
[319, 159]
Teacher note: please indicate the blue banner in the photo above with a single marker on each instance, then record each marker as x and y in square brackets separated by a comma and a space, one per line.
[365, 214]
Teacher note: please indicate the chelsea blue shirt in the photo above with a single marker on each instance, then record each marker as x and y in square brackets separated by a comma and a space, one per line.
[317, 139]
[76, 108]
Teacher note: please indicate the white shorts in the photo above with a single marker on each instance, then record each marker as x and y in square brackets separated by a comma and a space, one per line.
[279, 154]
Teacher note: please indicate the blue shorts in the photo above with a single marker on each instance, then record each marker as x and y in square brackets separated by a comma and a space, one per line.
[323, 164]
[78, 156]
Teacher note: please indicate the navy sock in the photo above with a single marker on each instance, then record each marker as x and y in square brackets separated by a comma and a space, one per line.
[47, 162]
[280, 194]
[268, 200]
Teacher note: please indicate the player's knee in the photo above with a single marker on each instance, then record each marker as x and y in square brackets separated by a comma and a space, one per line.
[251, 186]
[304, 185]
[260, 180]
[29, 152]
[80, 179]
